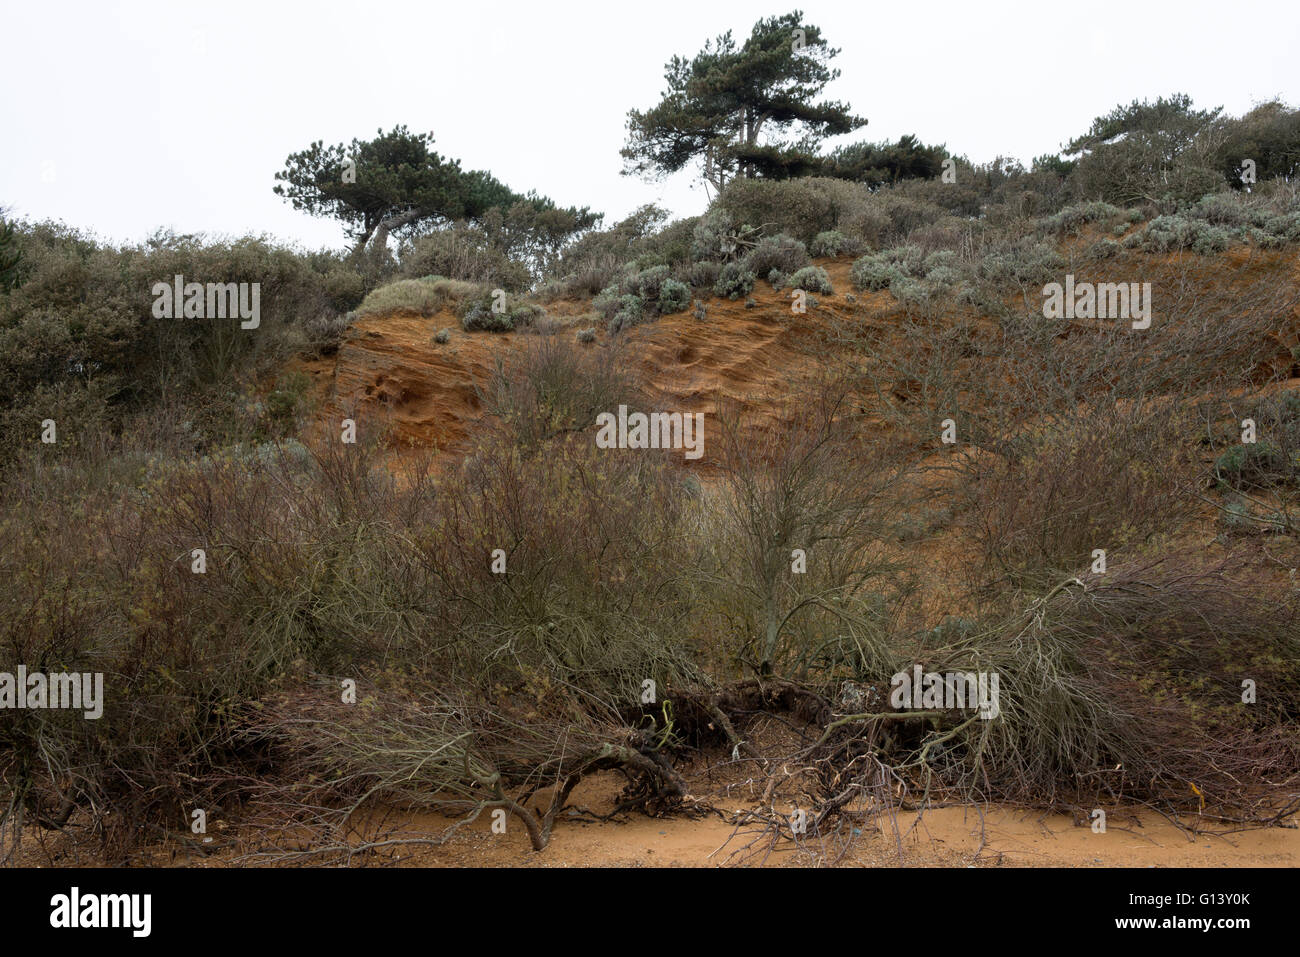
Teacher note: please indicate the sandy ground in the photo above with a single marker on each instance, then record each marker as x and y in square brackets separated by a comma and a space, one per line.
[981, 836]
[987, 836]
[954, 837]
[990, 836]
[964, 836]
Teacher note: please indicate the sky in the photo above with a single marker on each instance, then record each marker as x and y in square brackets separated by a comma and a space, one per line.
[122, 118]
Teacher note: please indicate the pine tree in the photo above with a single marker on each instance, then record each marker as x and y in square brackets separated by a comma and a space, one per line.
[747, 110]
[10, 257]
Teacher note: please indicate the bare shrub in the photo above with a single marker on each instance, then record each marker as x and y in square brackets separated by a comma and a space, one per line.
[551, 386]
[797, 486]
[1103, 476]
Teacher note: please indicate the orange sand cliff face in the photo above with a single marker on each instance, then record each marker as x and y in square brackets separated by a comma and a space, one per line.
[389, 367]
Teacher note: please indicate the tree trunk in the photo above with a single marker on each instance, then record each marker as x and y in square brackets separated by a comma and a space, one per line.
[379, 242]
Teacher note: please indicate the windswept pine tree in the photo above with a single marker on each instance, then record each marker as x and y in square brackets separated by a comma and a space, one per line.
[395, 184]
[745, 111]
[879, 163]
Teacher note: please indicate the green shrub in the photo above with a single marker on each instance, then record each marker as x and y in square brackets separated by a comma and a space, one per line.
[873, 272]
[1275, 458]
[11, 257]
[963, 199]
[712, 235]
[607, 302]
[586, 336]
[1102, 249]
[801, 207]
[286, 401]
[777, 279]
[443, 337]
[641, 294]
[631, 310]
[463, 253]
[912, 292]
[477, 314]
[1171, 233]
[943, 277]
[1211, 241]
[700, 275]
[879, 270]
[832, 242]
[674, 297]
[1237, 516]
[480, 317]
[1072, 218]
[1137, 168]
[806, 207]
[776, 252]
[868, 224]
[346, 288]
[734, 281]
[940, 258]
[527, 313]
[907, 213]
[645, 284]
[1255, 465]
[910, 258]
[1284, 226]
[670, 246]
[1264, 239]
[812, 279]
[597, 258]
[1025, 263]
[1226, 209]
[592, 275]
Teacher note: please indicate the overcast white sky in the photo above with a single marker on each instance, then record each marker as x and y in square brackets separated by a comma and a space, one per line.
[126, 116]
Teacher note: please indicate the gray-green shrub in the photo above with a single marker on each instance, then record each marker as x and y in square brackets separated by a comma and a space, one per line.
[812, 279]
[734, 281]
[1072, 218]
[477, 314]
[674, 297]
[832, 242]
[873, 271]
[700, 275]
[1171, 233]
[1026, 262]
[776, 252]
[631, 310]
